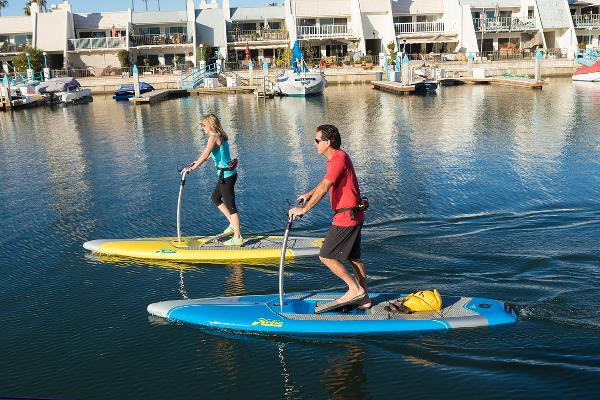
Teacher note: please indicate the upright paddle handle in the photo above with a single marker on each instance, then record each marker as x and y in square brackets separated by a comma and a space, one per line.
[286, 235]
[181, 185]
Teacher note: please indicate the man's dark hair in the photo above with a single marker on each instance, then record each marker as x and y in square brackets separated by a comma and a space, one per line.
[331, 133]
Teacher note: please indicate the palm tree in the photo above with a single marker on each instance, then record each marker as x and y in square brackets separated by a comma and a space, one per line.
[42, 3]
[273, 4]
[146, 1]
[3, 4]
[158, 1]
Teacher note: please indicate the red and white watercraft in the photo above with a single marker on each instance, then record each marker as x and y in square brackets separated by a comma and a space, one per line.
[588, 74]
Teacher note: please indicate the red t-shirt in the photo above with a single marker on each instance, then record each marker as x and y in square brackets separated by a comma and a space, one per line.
[344, 193]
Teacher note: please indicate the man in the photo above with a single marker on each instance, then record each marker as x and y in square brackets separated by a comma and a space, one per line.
[342, 241]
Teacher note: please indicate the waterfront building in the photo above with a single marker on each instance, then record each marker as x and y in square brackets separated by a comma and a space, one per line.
[586, 22]
[332, 30]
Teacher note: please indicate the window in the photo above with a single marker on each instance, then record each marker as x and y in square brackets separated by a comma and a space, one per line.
[402, 19]
[307, 22]
[22, 39]
[153, 30]
[153, 59]
[531, 12]
[326, 21]
[176, 29]
[426, 18]
[86, 35]
[275, 25]
[170, 58]
[338, 50]
[247, 27]
[505, 14]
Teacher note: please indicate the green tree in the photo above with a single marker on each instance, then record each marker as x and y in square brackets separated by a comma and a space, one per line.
[36, 58]
[3, 4]
[123, 56]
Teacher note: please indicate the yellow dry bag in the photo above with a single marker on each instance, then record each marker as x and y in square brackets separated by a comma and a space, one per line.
[425, 300]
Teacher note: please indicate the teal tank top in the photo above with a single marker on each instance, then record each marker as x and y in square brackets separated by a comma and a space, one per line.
[222, 158]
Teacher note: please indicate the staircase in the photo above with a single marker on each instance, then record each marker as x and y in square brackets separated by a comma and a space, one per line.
[196, 76]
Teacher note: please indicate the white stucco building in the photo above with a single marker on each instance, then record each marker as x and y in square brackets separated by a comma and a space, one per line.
[491, 28]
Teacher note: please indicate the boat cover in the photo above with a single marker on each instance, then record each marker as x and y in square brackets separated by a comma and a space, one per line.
[124, 89]
[56, 85]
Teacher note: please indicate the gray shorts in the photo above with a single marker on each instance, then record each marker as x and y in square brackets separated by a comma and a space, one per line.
[342, 243]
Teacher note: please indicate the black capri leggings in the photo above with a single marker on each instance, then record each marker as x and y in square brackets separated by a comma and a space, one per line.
[224, 193]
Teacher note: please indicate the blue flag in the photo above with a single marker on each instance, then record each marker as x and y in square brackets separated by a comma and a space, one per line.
[298, 59]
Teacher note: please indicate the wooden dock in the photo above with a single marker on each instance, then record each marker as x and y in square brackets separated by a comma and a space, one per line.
[497, 80]
[392, 87]
[223, 90]
[158, 95]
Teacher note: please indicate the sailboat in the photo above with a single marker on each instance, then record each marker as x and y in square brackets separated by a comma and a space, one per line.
[299, 80]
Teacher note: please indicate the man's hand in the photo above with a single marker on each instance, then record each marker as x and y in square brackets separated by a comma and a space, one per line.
[304, 198]
[296, 212]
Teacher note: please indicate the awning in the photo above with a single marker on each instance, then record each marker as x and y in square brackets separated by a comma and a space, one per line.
[437, 38]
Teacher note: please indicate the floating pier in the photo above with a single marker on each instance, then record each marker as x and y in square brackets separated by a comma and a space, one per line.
[393, 87]
[158, 95]
[498, 80]
[223, 90]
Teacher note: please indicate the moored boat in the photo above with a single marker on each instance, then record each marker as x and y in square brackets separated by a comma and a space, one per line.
[424, 87]
[300, 80]
[126, 92]
[588, 73]
[64, 90]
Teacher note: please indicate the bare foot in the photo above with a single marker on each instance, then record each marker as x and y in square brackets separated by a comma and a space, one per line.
[351, 294]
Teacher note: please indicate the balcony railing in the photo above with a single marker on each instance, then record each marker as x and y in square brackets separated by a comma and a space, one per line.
[324, 31]
[11, 47]
[586, 21]
[418, 27]
[160, 40]
[97, 43]
[257, 35]
[504, 24]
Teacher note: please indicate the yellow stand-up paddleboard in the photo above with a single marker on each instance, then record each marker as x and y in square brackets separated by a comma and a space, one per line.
[204, 248]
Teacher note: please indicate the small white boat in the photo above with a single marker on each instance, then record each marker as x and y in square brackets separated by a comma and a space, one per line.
[588, 73]
[299, 80]
[308, 83]
[75, 96]
[25, 96]
[64, 90]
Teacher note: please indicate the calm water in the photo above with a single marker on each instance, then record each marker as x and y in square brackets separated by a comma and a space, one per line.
[484, 191]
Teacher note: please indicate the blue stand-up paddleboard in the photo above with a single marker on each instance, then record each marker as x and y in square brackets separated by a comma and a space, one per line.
[295, 314]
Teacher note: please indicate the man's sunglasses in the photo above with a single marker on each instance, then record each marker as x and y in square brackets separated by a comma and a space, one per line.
[317, 141]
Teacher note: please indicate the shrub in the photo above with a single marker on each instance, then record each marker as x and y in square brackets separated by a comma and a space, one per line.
[36, 59]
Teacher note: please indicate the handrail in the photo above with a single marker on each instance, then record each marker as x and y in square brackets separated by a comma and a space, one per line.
[586, 21]
[97, 43]
[196, 76]
[411, 27]
[160, 39]
[12, 47]
[324, 31]
[504, 24]
[257, 35]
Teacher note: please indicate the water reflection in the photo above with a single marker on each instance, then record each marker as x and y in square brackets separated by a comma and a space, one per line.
[345, 375]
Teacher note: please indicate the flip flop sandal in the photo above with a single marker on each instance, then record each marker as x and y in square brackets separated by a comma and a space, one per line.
[334, 305]
[397, 308]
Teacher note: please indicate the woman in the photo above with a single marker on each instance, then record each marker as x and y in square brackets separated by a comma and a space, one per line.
[223, 196]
